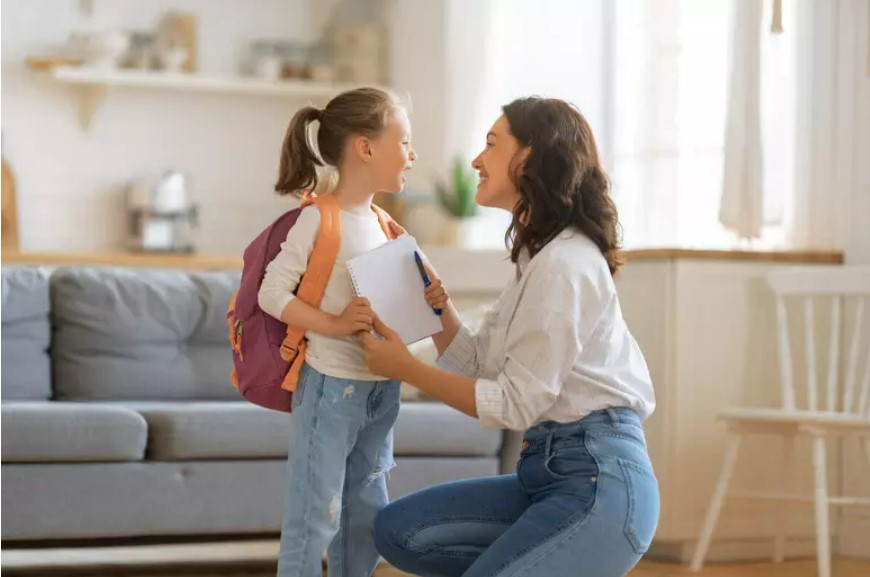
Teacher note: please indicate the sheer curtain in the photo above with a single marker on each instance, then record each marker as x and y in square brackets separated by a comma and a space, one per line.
[652, 78]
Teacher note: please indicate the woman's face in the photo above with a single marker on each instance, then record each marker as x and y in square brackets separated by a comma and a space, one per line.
[493, 164]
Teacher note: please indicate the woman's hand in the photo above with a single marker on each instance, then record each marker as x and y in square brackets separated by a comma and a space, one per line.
[436, 295]
[387, 356]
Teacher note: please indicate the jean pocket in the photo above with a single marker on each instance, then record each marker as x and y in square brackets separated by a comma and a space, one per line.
[643, 505]
[570, 462]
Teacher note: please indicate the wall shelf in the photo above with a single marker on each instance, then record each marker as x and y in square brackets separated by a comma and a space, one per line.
[95, 85]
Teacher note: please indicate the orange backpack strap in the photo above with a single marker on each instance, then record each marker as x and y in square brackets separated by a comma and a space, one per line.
[314, 281]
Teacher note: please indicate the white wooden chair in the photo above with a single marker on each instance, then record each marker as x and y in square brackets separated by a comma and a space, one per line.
[843, 409]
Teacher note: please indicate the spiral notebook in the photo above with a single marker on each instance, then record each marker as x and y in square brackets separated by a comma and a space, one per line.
[390, 279]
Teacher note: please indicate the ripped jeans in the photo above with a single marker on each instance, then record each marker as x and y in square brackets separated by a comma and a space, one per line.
[341, 447]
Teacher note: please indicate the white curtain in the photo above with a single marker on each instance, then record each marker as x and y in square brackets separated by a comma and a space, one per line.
[742, 204]
[652, 78]
[833, 108]
[647, 75]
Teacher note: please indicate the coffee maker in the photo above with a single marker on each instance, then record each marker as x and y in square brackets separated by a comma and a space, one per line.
[161, 216]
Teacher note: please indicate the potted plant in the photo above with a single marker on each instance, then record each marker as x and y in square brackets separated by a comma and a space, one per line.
[457, 200]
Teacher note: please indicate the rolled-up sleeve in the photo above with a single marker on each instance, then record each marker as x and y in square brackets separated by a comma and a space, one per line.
[461, 356]
[542, 344]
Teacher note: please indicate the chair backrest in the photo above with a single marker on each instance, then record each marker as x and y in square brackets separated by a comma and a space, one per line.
[832, 300]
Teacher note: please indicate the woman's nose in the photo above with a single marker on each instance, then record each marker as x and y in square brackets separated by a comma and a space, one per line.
[413, 155]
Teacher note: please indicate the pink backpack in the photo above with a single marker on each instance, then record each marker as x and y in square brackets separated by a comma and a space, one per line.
[267, 354]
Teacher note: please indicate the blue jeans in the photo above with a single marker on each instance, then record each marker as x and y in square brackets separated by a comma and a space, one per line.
[584, 501]
[341, 448]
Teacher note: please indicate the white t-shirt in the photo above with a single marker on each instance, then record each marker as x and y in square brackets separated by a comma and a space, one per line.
[555, 346]
[341, 358]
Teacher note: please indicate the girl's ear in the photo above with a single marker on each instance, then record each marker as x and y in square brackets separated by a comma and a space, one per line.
[362, 147]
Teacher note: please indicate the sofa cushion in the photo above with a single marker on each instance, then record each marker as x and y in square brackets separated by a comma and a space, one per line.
[71, 432]
[141, 334]
[240, 430]
[434, 429]
[26, 334]
[213, 430]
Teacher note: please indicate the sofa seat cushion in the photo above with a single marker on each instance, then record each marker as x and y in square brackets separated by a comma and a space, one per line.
[212, 430]
[434, 429]
[39, 432]
[240, 430]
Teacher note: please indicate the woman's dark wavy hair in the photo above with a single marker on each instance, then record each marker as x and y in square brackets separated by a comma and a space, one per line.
[561, 183]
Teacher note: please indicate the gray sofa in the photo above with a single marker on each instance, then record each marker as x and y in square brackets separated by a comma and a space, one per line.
[119, 420]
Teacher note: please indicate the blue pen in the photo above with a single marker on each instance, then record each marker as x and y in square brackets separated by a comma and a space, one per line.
[426, 281]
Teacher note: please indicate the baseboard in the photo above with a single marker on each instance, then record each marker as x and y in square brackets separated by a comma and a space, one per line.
[854, 531]
[732, 550]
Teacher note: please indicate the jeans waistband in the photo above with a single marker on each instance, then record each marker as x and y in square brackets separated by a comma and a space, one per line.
[613, 418]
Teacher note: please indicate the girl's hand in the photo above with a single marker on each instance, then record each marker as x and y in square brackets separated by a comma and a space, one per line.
[397, 229]
[357, 316]
[387, 356]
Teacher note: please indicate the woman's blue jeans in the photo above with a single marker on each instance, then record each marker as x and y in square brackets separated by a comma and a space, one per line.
[584, 501]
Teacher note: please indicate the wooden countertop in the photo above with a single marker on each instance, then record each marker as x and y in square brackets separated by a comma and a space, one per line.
[216, 261]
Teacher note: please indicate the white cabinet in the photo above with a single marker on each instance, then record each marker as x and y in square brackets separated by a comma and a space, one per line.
[707, 329]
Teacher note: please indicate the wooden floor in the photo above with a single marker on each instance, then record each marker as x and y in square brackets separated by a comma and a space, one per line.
[841, 568]
[256, 558]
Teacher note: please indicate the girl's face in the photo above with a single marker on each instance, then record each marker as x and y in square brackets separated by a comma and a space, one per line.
[493, 164]
[392, 155]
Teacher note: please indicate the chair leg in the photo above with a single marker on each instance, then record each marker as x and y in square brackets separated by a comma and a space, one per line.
[785, 484]
[716, 502]
[823, 533]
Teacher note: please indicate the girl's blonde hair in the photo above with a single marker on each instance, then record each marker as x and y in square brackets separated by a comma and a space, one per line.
[363, 111]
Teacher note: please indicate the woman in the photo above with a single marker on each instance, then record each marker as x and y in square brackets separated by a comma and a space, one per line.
[553, 358]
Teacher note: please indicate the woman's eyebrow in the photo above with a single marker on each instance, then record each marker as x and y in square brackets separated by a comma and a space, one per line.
[490, 134]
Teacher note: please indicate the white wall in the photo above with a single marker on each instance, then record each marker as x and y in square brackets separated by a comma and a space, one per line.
[69, 181]
[855, 527]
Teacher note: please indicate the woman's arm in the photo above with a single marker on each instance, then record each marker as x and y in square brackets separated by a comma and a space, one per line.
[390, 357]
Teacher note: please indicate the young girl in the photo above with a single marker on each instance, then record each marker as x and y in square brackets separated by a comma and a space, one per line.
[341, 444]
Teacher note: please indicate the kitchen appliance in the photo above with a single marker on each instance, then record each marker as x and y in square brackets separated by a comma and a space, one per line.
[162, 217]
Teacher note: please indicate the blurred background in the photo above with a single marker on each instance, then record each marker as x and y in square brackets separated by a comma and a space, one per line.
[716, 131]
[736, 133]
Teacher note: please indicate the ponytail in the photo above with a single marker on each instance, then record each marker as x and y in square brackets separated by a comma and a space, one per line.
[298, 169]
[362, 111]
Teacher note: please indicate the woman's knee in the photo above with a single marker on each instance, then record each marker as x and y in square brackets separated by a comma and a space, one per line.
[389, 530]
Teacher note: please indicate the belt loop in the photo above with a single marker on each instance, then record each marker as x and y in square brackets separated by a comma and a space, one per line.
[548, 441]
[614, 416]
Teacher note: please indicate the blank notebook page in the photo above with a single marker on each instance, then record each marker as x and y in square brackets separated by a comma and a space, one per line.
[388, 276]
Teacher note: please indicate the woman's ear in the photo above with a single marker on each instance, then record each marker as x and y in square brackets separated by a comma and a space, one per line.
[518, 161]
[521, 157]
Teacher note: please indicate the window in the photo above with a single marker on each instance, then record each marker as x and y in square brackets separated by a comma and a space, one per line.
[651, 77]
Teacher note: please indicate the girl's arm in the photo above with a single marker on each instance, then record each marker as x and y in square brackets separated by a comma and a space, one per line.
[283, 275]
